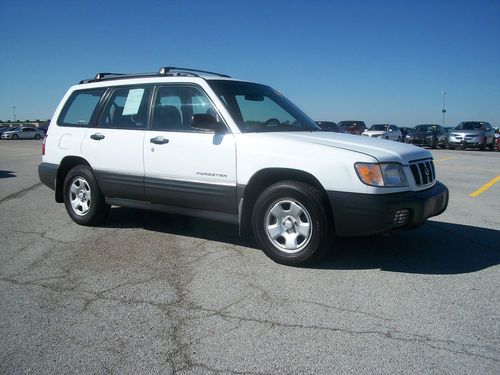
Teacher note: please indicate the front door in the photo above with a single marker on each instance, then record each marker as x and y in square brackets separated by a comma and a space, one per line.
[186, 167]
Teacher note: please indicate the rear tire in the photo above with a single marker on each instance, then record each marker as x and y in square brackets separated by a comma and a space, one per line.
[291, 224]
[83, 200]
[37, 136]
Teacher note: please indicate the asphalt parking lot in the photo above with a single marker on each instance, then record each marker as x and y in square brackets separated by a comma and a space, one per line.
[156, 293]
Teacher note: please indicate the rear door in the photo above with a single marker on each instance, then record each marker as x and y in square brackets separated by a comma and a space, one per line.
[114, 146]
[186, 167]
[27, 133]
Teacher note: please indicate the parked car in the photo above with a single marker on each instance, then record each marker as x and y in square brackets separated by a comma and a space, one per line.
[472, 134]
[428, 135]
[2, 129]
[383, 131]
[328, 126]
[23, 133]
[202, 144]
[497, 139]
[404, 131]
[352, 127]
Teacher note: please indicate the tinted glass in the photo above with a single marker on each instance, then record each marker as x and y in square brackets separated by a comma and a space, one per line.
[127, 108]
[378, 127]
[80, 107]
[175, 106]
[259, 108]
[425, 128]
[471, 126]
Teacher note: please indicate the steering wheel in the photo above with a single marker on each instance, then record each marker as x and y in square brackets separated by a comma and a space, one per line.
[272, 122]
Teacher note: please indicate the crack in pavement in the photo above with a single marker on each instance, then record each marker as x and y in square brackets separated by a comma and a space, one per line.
[19, 193]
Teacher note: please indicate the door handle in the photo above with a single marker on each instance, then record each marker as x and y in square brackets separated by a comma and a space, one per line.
[97, 136]
[159, 140]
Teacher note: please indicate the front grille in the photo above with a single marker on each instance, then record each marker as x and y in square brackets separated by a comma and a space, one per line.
[423, 172]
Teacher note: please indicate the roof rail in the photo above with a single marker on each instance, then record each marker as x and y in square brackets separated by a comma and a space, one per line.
[167, 69]
[100, 76]
[164, 71]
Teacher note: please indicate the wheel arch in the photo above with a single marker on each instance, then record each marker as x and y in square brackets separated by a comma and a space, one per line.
[67, 163]
[248, 194]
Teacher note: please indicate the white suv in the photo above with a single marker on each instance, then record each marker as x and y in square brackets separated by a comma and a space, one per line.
[202, 144]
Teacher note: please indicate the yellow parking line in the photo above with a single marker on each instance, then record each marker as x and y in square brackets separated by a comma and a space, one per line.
[485, 187]
[446, 158]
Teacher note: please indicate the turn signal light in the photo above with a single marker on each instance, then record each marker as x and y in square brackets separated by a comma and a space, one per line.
[369, 173]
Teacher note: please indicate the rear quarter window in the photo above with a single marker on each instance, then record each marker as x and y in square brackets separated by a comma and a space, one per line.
[80, 107]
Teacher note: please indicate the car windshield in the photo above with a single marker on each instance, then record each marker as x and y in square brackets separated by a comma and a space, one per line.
[259, 108]
[470, 126]
[344, 125]
[425, 128]
[378, 127]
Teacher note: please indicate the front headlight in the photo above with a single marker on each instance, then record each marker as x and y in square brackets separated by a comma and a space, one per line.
[383, 174]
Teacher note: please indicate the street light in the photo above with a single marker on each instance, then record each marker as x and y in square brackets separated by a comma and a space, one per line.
[14, 110]
[444, 107]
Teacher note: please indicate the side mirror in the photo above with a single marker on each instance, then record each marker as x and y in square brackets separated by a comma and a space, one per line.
[207, 122]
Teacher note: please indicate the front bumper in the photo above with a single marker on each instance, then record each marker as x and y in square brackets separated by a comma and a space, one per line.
[357, 214]
[465, 144]
[48, 173]
[419, 141]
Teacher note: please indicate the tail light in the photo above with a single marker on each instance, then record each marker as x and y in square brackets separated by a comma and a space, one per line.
[43, 145]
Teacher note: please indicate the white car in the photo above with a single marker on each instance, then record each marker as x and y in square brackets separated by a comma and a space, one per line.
[203, 144]
[23, 132]
[384, 131]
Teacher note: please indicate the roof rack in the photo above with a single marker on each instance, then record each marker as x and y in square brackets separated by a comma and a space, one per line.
[168, 69]
[164, 71]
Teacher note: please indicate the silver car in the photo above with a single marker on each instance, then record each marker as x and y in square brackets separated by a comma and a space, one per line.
[23, 133]
[472, 134]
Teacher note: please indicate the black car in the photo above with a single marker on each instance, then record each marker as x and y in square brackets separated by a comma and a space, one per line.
[428, 135]
[404, 131]
[328, 126]
[352, 127]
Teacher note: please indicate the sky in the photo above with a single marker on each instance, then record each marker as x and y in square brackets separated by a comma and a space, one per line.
[376, 61]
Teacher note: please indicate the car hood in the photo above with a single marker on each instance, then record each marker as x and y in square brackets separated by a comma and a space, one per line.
[374, 132]
[420, 134]
[380, 149]
[467, 132]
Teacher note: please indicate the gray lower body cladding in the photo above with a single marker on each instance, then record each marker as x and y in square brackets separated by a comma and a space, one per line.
[367, 214]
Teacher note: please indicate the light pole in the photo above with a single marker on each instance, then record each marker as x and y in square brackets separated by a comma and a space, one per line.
[14, 110]
[444, 107]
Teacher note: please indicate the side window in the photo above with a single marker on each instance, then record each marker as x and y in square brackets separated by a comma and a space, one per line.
[80, 106]
[127, 108]
[175, 106]
[488, 126]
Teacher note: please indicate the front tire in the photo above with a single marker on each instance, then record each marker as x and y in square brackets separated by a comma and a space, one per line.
[291, 224]
[37, 136]
[83, 200]
[15, 136]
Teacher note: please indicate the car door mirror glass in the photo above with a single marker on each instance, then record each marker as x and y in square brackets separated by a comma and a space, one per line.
[207, 122]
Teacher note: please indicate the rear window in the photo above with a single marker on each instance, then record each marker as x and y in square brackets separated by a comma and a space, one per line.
[80, 107]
